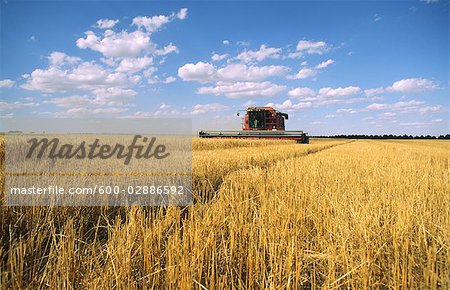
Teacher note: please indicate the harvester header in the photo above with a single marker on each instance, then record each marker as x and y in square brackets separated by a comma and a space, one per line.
[261, 123]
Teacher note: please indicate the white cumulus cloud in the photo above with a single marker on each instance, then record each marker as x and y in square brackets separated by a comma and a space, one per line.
[57, 58]
[406, 107]
[377, 107]
[133, 65]
[205, 72]
[131, 43]
[82, 76]
[374, 92]
[304, 73]
[168, 49]
[243, 89]
[289, 106]
[151, 24]
[412, 85]
[106, 23]
[116, 97]
[339, 92]
[259, 55]
[121, 44]
[309, 47]
[325, 96]
[312, 47]
[404, 86]
[324, 64]
[182, 14]
[170, 79]
[200, 72]
[346, 111]
[6, 83]
[241, 72]
[302, 93]
[113, 96]
[219, 57]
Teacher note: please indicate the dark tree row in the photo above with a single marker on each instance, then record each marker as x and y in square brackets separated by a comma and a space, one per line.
[386, 136]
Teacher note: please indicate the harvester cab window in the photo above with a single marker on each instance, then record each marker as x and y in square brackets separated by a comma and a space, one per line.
[256, 119]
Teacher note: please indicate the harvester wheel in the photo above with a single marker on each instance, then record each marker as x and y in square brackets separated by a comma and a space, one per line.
[305, 140]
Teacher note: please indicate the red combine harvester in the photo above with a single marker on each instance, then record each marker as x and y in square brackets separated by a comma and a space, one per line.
[261, 123]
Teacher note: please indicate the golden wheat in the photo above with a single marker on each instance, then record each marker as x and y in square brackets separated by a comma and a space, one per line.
[362, 214]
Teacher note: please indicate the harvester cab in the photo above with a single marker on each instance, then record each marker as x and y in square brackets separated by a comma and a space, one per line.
[264, 118]
[261, 123]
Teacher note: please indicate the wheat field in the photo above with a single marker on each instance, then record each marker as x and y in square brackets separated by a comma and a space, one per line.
[359, 214]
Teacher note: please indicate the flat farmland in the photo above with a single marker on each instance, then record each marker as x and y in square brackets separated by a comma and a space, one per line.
[336, 213]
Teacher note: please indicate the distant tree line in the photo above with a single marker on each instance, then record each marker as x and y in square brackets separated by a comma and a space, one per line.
[386, 136]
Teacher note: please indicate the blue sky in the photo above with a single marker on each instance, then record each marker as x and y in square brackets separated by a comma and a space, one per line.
[349, 67]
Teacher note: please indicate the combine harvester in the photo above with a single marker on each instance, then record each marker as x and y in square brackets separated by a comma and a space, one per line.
[261, 123]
